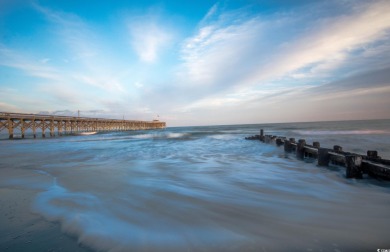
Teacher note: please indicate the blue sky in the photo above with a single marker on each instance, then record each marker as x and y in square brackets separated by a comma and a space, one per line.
[197, 62]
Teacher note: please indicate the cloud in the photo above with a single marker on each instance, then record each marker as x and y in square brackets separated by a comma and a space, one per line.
[214, 50]
[241, 54]
[6, 107]
[148, 38]
[89, 62]
[327, 43]
[362, 83]
[27, 64]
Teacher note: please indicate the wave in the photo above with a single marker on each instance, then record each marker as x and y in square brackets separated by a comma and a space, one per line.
[341, 132]
[223, 137]
[168, 135]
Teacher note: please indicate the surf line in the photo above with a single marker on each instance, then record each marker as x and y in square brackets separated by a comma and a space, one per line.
[356, 164]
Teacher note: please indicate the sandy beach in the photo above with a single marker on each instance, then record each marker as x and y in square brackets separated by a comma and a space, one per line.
[22, 230]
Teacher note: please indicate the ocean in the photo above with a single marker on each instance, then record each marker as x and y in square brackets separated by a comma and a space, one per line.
[204, 188]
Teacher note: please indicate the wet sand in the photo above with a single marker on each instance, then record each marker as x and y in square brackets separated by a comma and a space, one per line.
[22, 230]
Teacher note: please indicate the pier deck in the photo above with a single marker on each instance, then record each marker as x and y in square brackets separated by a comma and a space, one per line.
[36, 123]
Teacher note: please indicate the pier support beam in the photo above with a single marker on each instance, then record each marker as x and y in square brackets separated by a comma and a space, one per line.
[10, 128]
[22, 127]
[51, 128]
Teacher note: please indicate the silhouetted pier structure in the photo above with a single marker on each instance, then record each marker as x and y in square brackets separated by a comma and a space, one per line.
[53, 124]
[356, 164]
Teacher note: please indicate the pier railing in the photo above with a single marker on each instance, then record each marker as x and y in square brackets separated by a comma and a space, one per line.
[356, 164]
[36, 123]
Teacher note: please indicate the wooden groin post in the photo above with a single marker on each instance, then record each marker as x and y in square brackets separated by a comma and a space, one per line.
[262, 135]
[354, 166]
[279, 141]
[287, 146]
[324, 156]
[337, 148]
[300, 151]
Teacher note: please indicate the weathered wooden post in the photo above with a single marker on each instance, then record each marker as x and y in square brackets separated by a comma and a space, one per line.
[353, 164]
[287, 146]
[316, 145]
[300, 148]
[371, 154]
[323, 157]
[262, 135]
[279, 142]
[337, 148]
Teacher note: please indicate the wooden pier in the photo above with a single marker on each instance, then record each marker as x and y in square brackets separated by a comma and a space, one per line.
[356, 164]
[35, 123]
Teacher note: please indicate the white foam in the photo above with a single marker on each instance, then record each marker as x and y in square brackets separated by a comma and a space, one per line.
[176, 135]
[222, 137]
[143, 136]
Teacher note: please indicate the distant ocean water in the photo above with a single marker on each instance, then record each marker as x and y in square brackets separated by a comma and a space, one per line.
[205, 188]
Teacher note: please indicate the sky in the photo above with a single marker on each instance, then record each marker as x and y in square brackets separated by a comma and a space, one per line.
[197, 62]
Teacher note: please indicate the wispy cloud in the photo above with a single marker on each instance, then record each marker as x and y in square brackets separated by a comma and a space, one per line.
[85, 51]
[233, 54]
[148, 37]
[27, 64]
[329, 43]
[6, 107]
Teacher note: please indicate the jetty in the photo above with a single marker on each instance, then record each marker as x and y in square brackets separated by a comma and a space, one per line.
[35, 123]
[356, 164]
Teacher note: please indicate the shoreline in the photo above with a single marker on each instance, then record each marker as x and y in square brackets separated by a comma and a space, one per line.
[22, 230]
